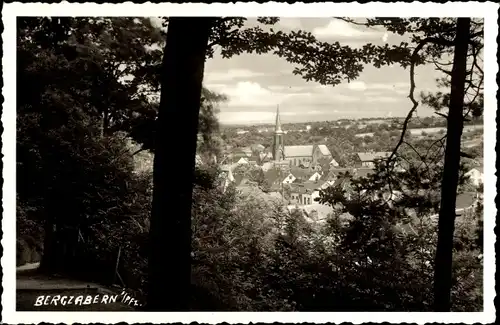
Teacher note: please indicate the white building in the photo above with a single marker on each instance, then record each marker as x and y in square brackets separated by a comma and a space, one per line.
[476, 176]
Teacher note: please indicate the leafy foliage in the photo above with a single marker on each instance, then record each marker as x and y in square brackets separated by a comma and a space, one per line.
[75, 167]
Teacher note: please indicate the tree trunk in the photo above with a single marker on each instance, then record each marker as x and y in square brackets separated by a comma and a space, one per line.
[446, 224]
[105, 122]
[49, 256]
[176, 136]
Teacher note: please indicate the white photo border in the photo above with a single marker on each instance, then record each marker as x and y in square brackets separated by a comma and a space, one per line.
[488, 11]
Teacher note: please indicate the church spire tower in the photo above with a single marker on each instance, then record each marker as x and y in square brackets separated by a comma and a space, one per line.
[278, 148]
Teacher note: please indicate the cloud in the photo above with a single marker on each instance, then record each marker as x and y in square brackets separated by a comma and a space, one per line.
[356, 85]
[385, 37]
[246, 117]
[281, 88]
[290, 89]
[398, 87]
[252, 94]
[290, 23]
[339, 28]
[344, 98]
[230, 75]
[328, 94]
[382, 99]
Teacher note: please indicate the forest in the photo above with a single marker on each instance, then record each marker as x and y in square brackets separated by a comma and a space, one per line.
[88, 114]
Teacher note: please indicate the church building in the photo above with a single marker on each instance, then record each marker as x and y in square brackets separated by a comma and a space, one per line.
[305, 156]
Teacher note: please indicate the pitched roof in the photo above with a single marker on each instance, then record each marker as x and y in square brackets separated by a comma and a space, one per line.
[242, 161]
[371, 156]
[315, 176]
[306, 187]
[363, 172]
[336, 172]
[198, 159]
[333, 162]
[301, 173]
[267, 166]
[298, 151]
[227, 167]
[258, 147]
[313, 185]
[242, 152]
[465, 200]
[324, 150]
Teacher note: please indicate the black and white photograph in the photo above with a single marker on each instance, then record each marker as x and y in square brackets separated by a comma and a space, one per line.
[249, 161]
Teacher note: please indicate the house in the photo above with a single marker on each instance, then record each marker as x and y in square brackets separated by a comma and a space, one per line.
[265, 157]
[289, 179]
[241, 153]
[258, 148]
[301, 174]
[267, 166]
[197, 160]
[305, 193]
[465, 203]
[333, 163]
[362, 172]
[367, 159]
[324, 152]
[315, 177]
[476, 176]
[253, 161]
[242, 161]
[333, 174]
[226, 176]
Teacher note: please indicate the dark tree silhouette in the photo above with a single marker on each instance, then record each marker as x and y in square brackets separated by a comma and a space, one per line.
[444, 253]
[170, 250]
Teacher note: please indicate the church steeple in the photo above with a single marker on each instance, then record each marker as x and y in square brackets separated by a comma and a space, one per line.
[277, 128]
[278, 149]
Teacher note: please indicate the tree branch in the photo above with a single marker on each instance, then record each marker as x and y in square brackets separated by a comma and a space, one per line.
[441, 114]
[137, 151]
[414, 57]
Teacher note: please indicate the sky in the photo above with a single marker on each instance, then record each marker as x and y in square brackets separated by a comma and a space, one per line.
[255, 84]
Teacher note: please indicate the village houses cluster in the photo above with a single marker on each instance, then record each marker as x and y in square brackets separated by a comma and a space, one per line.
[296, 174]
